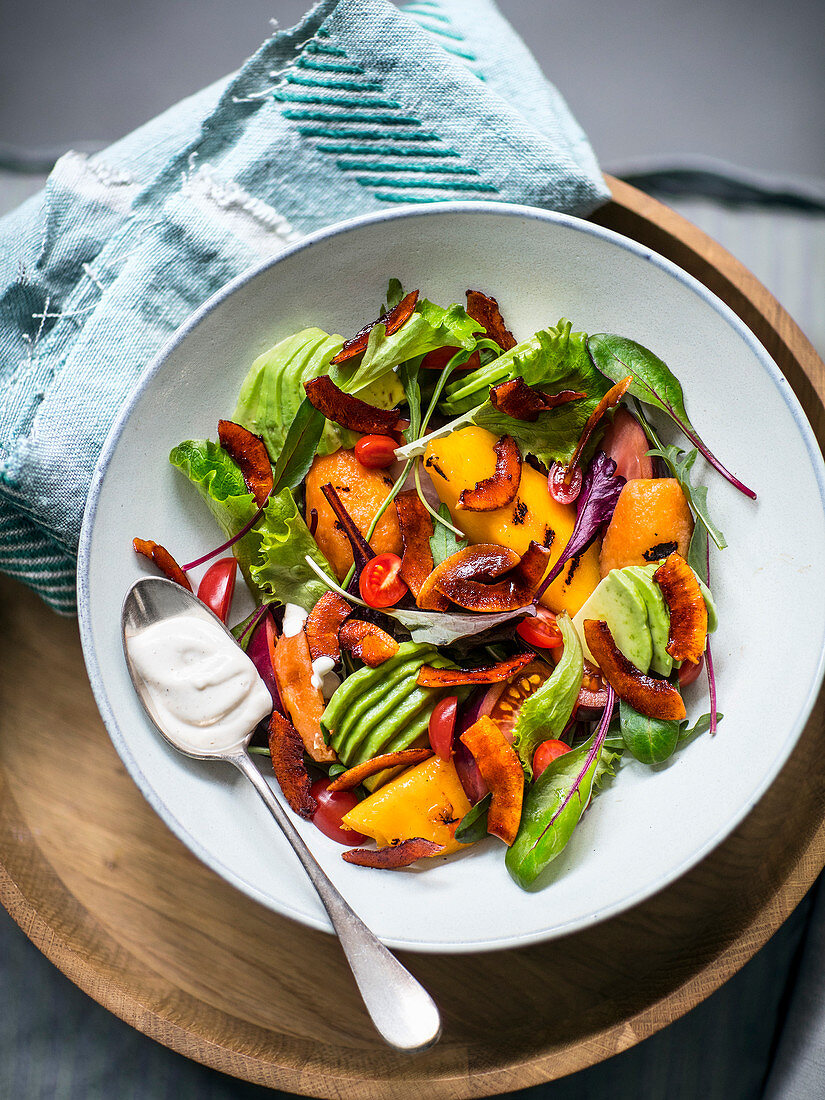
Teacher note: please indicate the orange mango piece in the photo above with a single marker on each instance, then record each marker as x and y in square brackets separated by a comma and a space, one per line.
[652, 518]
[362, 493]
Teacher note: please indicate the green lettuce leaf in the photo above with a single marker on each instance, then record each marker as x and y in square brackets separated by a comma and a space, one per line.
[272, 556]
[543, 716]
[280, 572]
[553, 359]
[428, 328]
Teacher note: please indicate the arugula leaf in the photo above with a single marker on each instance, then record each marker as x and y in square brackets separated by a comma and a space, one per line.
[650, 740]
[547, 711]
[428, 328]
[554, 804]
[408, 376]
[443, 542]
[655, 384]
[280, 572]
[395, 293]
[300, 447]
[473, 826]
[701, 725]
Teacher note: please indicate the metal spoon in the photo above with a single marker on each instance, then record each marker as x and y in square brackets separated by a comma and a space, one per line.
[401, 1009]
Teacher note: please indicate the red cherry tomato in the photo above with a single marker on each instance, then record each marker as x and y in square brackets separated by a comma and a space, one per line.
[688, 672]
[376, 452]
[541, 632]
[218, 586]
[442, 724]
[562, 489]
[546, 753]
[379, 583]
[626, 443]
[332, 805]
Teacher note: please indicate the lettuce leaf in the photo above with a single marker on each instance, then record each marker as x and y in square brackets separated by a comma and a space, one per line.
[273, 389]
[280, 572]
[272, 556]
[553, 359]
[430, 327]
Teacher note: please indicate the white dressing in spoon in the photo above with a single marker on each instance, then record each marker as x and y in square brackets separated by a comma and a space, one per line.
[205, 691]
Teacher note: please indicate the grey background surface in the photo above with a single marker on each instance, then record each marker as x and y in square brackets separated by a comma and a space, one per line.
[729, 79]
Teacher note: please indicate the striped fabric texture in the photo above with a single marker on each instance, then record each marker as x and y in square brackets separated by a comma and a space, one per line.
[361, 107]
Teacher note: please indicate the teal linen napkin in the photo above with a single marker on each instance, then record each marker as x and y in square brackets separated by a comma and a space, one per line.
[360, 107]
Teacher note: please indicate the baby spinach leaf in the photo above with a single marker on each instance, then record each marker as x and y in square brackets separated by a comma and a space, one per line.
[650, 740]
[299, 447]
[655, 384]
[443, 541]
[545, 713]
[554, 804]
[473, 826]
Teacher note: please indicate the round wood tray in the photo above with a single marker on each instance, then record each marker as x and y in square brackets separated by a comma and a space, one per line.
[106, 892]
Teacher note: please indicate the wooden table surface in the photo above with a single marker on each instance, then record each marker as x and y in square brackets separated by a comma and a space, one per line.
[106, 892]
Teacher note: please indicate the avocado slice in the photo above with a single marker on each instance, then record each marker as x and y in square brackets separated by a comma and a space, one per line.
[617, 601]
[658, 618]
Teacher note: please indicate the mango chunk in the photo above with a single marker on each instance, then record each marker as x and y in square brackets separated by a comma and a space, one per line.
[426, 801]
[457, 461]
[362, 492]
[652, 519]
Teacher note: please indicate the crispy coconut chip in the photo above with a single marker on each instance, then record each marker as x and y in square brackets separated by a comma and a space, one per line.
[609, 401]
[404, 757]
[287, 751]
[501, 770]
[368, 642]
[688, 612]
[249, 453]
[438, 359]
[163, 560]
[485, 310]
[500, 489]
[393, 319]
[416, 532]
[512, 588]
[348, 411]
[646, 694]
[489, 674]
[522, 402]
[485, 560]
[323, 624]
[394, 856]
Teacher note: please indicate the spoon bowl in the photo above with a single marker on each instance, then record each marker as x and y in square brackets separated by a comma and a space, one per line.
[403, 1012]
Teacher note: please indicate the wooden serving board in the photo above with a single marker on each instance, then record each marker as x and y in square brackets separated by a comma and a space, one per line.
[107, 893]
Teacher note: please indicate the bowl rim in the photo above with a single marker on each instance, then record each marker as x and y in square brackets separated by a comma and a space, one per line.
[110, 444]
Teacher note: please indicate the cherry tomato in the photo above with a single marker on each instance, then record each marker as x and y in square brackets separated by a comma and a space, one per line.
[442, 724]
[541, 632]
[546, 753]
[503, 701]
[379, 583]
[376, 452]
[218, 586]
[626, 443]
[562, 489]
[689, 671]
[332, 805]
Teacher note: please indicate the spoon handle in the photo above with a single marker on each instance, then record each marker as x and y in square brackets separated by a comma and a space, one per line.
[401, 1009]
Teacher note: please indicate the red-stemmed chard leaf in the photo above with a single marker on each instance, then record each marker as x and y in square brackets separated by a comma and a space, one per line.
[229, 542]
[597, 500]
[655, 384]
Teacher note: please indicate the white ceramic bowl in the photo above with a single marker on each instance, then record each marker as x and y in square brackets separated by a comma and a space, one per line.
[650, 825]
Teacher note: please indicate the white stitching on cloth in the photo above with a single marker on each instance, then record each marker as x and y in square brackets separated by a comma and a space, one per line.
[226, 194]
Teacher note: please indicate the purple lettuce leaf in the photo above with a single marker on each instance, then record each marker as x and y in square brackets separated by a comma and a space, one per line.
[600, 490]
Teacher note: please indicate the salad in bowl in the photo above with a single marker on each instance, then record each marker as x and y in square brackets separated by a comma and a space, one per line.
[480, 577]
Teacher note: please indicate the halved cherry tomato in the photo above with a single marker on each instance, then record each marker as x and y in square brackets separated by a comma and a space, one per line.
[626, 443]
[442, 725]
[688, 671]
[503, 701]
[541, 632]
[562, 489]
[376, 452]
[379, 583]
[546, 753]
[332, 805]
[218, 586]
